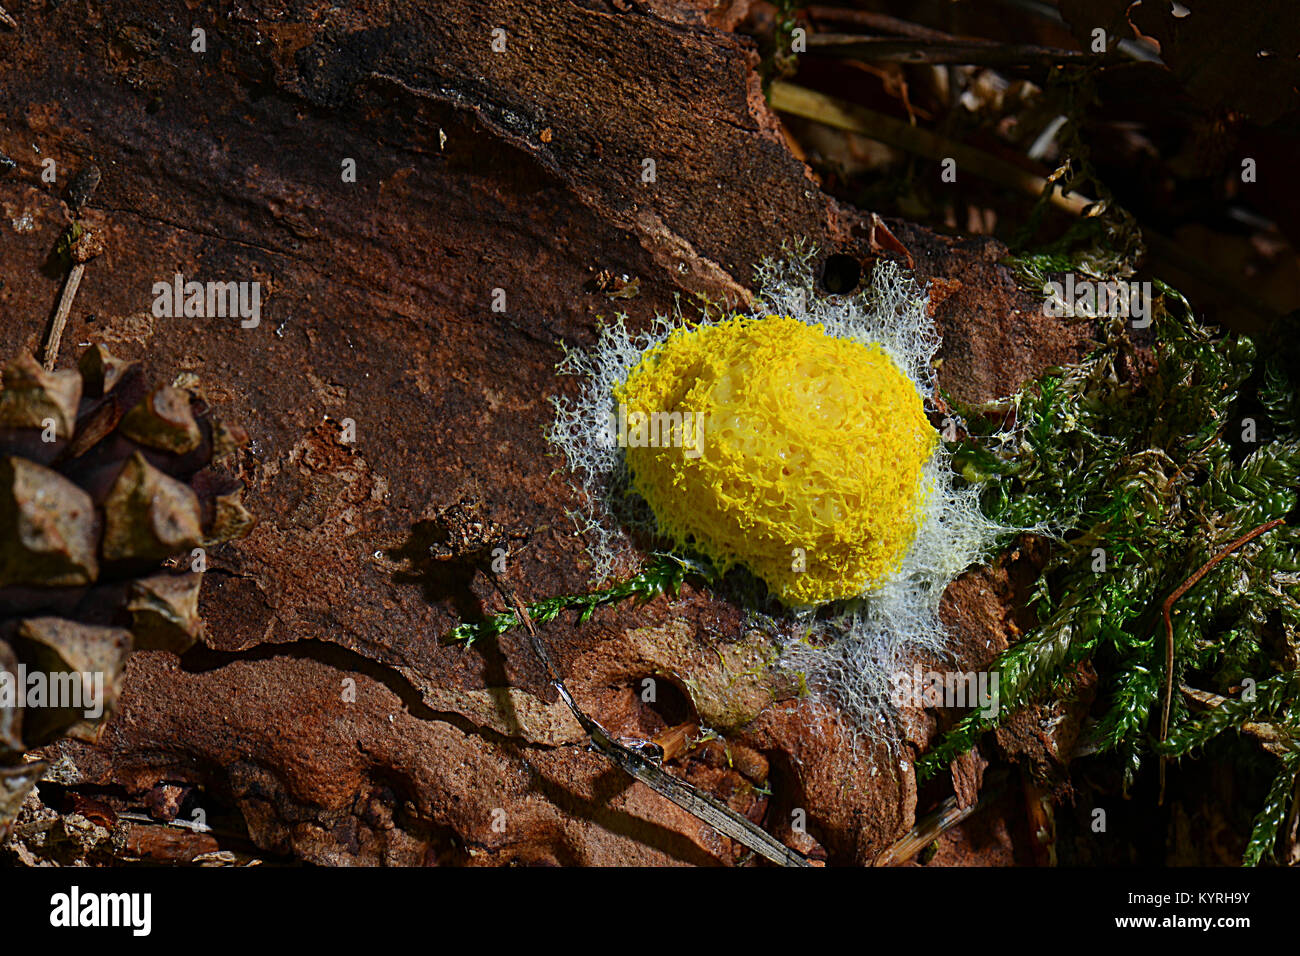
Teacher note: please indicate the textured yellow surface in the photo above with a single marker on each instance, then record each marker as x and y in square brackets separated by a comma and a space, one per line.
[811, 456]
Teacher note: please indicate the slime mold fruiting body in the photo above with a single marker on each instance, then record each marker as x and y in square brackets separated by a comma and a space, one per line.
[808, 471]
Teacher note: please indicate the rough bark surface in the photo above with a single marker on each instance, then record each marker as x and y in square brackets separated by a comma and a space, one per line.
[476, 170]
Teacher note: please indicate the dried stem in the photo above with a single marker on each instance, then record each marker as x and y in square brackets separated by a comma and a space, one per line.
[52, 341]
[935, 824]
[944, 50]
[1169, 630]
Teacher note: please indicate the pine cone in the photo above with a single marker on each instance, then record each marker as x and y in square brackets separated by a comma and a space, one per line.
[109, 495]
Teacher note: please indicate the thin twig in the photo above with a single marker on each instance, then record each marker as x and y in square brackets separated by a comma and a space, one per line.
[178, 823]
[893, 26]
[51, 353]
[1169, 630]
[947, 50]
[877, 22]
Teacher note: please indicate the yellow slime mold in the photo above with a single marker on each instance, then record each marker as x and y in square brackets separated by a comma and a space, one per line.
[806, 467]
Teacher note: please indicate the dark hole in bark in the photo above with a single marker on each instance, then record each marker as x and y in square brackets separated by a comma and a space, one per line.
[841, 274]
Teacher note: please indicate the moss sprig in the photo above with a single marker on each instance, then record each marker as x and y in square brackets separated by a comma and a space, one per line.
[663, 574]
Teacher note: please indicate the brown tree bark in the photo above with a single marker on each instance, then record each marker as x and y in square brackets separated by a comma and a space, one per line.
[476, 170]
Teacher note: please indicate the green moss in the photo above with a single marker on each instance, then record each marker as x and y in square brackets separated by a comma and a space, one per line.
[1160, 474]
[663, 574]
